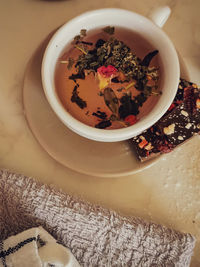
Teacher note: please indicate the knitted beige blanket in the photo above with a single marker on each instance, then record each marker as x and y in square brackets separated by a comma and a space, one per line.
[96, 236]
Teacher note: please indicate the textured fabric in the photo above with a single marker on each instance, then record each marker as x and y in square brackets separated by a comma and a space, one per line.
[35, 247]
[96, 236]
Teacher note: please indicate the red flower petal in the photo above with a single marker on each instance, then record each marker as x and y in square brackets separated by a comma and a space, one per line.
[172, 107]
[131, 119]
[107, 71]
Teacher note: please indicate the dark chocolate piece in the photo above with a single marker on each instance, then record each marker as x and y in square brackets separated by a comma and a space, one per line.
[151, 143]
[180, 125]
[180, 122]
[145, 144]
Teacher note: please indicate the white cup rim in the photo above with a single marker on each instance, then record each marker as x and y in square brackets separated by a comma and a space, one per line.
[88, 131]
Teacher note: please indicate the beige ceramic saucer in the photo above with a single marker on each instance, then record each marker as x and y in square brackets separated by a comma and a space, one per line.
[71, 150]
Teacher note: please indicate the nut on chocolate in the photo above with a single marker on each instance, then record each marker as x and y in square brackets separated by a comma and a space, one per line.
[169, 129]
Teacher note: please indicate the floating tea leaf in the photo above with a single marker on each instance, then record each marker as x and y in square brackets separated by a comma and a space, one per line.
[86, 43]
[82, 49]
[76, 98]
[79, 75]
[99, 114]
[83, 32]
[115, 80]
[113, 117]
[99, 43]
[128, 106]
[109, 30]
[111, 100]
[147, 59]
[103, 124]
[77, 38]
[70, 63]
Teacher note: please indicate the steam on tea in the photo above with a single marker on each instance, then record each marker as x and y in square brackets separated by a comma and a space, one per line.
[107, 78]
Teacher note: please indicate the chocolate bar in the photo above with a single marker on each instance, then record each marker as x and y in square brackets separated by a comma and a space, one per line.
[179, 123]
[146, 143]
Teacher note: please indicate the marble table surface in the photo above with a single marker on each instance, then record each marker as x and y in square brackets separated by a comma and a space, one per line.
[169, 191]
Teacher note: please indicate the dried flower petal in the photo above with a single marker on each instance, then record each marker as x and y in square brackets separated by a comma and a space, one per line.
[107, 71]
[105, 75]
[130, 119]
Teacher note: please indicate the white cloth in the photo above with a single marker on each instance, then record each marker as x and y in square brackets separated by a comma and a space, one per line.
[35, 248]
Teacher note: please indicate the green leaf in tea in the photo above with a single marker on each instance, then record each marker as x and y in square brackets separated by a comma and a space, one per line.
[109, 30]
[113, 117]
[77, 38]
[80, 36]
[111, 100]
[83, 32]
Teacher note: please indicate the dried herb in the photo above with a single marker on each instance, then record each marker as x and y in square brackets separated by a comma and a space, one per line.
[113, 118]
[99, 114]
[79, 75]
[79, 37]
[140, 99]
[99, 43]
[130, 85]
[82, 49]
[100, 93]
[115, 80]
[128, 106]
[103, 124]
[70, 63]
[86, 43]
[109, 30]
[152, 72]
[120, 89]
[111, 100]
[83, 32]
[76, 98]
[116, 53]
[147, 59]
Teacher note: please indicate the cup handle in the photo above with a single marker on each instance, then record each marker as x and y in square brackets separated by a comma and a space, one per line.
[160, 15]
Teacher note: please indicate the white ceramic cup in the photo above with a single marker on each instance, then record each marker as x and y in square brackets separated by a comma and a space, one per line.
[123, 18]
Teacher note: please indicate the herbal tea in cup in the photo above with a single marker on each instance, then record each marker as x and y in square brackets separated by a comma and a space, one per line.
[109, 77]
